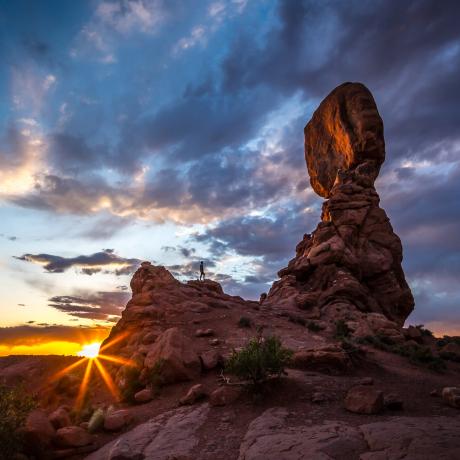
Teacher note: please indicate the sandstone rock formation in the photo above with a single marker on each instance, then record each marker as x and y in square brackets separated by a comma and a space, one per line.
[349, 268]
[157, 329]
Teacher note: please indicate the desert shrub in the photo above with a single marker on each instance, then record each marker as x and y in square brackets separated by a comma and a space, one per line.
[448, 339]
[15, 405]
[417, 354]
[132, 383]
[424, 356]
[244, 321]
[259, 359]
[341, 329]
[375, 341]
[425, 332]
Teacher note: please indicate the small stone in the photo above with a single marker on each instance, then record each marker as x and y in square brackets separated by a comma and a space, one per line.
[364, 400]
[143, 396]
[204, 332]
[214, 342]
[451, 396]
[116, 420]
[224, 395]
[195, 393]
[72, 436]
[210, 359]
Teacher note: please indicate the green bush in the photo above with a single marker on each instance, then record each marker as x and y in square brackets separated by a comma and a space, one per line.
[259, 359]
[244, 321]
[342, 331]
[417, 354]
[448, 339]
[15, 405]
[425, 332]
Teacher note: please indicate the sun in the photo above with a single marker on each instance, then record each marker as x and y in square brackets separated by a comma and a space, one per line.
[93, 355]
[90, 350]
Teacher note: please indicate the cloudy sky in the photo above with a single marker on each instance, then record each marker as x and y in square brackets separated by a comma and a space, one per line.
[172, 131]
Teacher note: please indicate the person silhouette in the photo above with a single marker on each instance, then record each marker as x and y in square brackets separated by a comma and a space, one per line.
[202, 270]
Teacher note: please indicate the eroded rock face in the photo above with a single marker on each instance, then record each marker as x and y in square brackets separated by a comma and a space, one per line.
[350, 265]
[167, 436]
[157, 330]
[272, 437]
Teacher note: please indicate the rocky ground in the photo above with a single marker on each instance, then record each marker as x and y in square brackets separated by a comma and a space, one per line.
[303, 412]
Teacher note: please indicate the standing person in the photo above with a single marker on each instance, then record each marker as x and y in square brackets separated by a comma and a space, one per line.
[202, 270]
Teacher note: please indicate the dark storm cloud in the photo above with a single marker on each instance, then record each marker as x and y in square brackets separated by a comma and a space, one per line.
[273, 238]
[194, 127]
[104, 261]
[97, 306]
[70, 153]
[406, 52]
[426, 218]
[36, 335]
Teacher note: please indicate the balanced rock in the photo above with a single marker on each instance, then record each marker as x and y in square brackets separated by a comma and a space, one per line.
[345, 132]
[350, 266]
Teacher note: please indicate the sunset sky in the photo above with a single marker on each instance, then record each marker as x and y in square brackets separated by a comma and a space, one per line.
[172, 131]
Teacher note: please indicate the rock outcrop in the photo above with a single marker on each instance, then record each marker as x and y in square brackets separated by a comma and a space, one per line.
[350, 266]
[271, 437]
[158, 329]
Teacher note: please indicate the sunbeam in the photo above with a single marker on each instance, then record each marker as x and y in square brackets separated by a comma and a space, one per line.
[107, 379]
[84, 385]
[115, 359]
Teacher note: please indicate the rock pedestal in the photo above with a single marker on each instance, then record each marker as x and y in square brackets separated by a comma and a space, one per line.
[351, 264]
